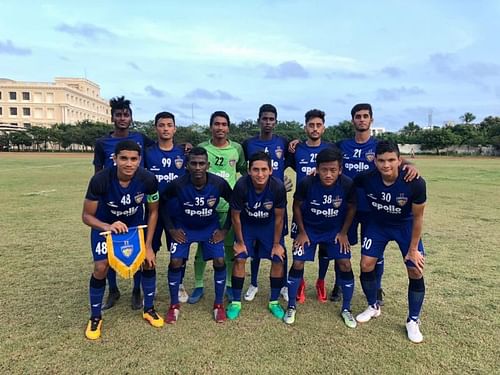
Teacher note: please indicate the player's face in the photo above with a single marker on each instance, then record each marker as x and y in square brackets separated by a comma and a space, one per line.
[197, 166]
[329, 172]
[362, 120]
[219, 128]
[315, 128]
[267, 122]
[165, 129]
[388, 164]
[127, 162]
[259, 173]
[122, 118]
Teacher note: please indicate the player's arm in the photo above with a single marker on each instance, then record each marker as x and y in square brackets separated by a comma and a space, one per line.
[89, 218]
[279, 219]
[341, 237]
[241, 164]
[98, 157]
[292, 145]
[239, 246]
[302, 237]
[416, 233]
[410, 169]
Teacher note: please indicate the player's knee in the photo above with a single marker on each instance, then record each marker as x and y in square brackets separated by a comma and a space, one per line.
[175, 262]
[298, 265]
[219, 262]
[413, 273]
[101, 269]
[344, 265]
[367, 264]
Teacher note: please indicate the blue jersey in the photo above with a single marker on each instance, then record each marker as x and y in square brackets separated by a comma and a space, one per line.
[197, 207]
[303, 161]
[324, 208]
[104, 149]
[276, 147]
[126, 204]
[391, 204]
[166, 165]
[258, 208]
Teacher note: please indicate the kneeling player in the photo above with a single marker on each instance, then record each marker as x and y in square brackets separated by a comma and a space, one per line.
[396, 214]
[257, 212]
[115, 201]
[323, 207]
[197, 194]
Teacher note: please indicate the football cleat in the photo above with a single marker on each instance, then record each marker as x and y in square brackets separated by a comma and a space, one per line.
[251, 292]
[284, 293]
[380, 296]
[413, 330]
[219, 313]
[276, 309]
[336, 294]
[371, 312]
[172, 314]
[113, 297]
[301, 292]
[321, 291]
[183, 294]
[152, 317]
[93, 330]
[233, 310]
[289, 317]
[136, 301]
[348, 319]
[196, 295]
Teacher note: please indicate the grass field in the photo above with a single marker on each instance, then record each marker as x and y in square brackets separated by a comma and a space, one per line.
[45, 264]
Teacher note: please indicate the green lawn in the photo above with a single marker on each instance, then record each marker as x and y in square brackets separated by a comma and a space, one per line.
[45, 264]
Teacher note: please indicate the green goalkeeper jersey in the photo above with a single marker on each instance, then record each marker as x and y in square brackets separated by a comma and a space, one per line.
[225, 162]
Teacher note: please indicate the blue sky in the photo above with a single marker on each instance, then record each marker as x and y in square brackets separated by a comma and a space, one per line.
[408, 59]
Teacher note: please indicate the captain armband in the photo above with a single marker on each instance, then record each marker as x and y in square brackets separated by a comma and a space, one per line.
[152, 198]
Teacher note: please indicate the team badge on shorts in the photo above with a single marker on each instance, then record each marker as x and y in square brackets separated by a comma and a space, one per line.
[402, 199]
[178, 162]
[337, 202]
[232, 163]
[278, 152]
[138, 198]
[211, 201]
[370, 155]
[268, 205]
[126, 251]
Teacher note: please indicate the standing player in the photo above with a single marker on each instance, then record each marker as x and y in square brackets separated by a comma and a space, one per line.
[121, 115]
[396, 214]
[167, 161]
[277, 148]
[303, 161]
[197, 194]
[116, 200]
[323, 208]
[226, 160]
[258, 214]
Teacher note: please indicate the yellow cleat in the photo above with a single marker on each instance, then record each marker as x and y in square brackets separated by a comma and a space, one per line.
[153, 318]
[93, 331]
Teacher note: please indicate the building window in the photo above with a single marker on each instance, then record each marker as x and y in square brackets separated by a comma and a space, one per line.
[1, 112]
[26, 95]
[0, 95]
[12, 95]
[13, 111]
[26, 112]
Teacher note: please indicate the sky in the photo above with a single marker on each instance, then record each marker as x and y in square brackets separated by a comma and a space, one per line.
[426, 61]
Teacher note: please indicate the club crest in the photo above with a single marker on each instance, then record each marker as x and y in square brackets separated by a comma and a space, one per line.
[370, 155]
[127, 249]
[211, 201]
[401, 200]
[337, 202]
[278, 152]
[178, 162]
[268, 205]
[138, 198]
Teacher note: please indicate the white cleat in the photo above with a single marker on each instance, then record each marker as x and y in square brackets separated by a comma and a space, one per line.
[251, 292]
[370, 312]
[284, 293]
[183, 294]
[413, 330]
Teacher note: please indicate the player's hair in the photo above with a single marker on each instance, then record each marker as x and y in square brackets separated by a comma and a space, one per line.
[386, 146]
[127, 145]
[268, 108]
[161, 115]
[119, 102]
[197, 151]
[219, 114]
[313, 113]
[361, 107]
[259, 155]
[327, 155]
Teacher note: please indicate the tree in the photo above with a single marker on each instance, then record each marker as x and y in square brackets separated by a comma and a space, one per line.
[20, 138]
[437, 138]
[491, 127]
[410, 133]
[467, 118]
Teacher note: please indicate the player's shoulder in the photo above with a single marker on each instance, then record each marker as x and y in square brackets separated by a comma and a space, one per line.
[104, 137]
[275, 183]
[345, 181]
[144, 175]
[212, 178]
[204, 144]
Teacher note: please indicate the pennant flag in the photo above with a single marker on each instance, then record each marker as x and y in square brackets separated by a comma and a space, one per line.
[126, 251]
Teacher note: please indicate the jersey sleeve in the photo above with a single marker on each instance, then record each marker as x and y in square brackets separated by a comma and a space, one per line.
[151, 187]
[97, 187]
[279, 194]
[419, 191]
[244, 146]
[237, 201]
[148, 142]
[349, 189]
[301, 191]
[98, 155]
[241, 165]
[290, 160]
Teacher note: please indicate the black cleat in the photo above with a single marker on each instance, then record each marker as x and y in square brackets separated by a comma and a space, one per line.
[136, 300]
[113, 297]
[380, 297]
[336, 294]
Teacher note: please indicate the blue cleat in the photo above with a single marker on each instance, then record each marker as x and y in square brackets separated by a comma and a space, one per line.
[196, 295]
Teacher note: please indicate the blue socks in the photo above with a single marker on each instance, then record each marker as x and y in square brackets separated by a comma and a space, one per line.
[379, 271]
[346, 281]
[174, 279]
[294, 278]
[416, 293]
[323, 262]
[369, 285]
[219, 283]
[276, 285]
[237, 283]
[148, 288]
[96, 294]
[254, 270]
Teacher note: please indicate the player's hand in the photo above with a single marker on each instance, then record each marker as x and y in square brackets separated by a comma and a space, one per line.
[150, 258]
[343, 241]
[301, 240]
[178, 235]
[288, 184]
[312, 172]
[239, 248]
[118, 227]
[417, 258]
[187, 147]
[411, 172]
[218, 235]
[278, 250]
[292, 145]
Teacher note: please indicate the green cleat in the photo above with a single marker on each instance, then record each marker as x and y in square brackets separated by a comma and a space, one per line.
[233, 310]
[276, 309]
[349, 319]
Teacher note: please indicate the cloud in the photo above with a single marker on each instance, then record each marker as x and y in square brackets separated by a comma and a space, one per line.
[339, 101]
[285, 70]
[396, 93]
[8, 48]
[190, 106]
[289, 107]
[134, 66]
[85, 30]
[448, 64]
[346, 75]
[211, 95]
[392, 71]
[154, 91]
